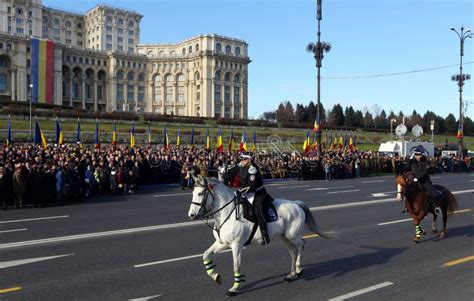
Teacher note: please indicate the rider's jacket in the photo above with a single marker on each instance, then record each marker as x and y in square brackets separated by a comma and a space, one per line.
[250, 177]
[419, 169]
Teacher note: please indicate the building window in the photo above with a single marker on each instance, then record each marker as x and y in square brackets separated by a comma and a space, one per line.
[88, 91]
[131, 41]
[217, 92]
[119, 92]
[45, 28]
[75, 90]
[56, 21]
[109, 46]
[120, 21]
[119, 40]
[68, 33]
[19, 30]
[56, 31]
[190, 49]
[130, 49]
[108, 37]
[237, 51]
[3, 83]
[119, 30]
[130, 92]
[68, 41]
[218, 47]
[99, 92]
[19, 21]
[108, 19]
[131, 32]
[108, 28]
[120, 48]
[68, 23]
[197, 47]
[79, 43]
[141, 93]
[131, 24]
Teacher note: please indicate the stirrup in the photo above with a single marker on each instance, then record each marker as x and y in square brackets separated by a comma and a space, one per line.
[437, 210]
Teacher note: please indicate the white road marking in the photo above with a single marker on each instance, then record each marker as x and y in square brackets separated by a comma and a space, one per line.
[174, 259]
[409, 219]
[471, 180]
[344, 191]
[362, 291]
[145, 298]
[96, 234]
[327, 188]
[184, 224]
[435, 177]
[33, 219]
[14, 230]
[373, 181]
[462, 191]
[395, 222]
[296, 186]
[8, 264]
[379, 194]
[171, 194]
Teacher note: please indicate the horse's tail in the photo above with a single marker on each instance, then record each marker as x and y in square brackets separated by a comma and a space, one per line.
[453, 204]
[310, 222]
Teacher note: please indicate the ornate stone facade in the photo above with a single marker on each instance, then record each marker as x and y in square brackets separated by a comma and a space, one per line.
[99, 64]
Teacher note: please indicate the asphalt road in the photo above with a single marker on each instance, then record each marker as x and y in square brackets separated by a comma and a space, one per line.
[144, 246]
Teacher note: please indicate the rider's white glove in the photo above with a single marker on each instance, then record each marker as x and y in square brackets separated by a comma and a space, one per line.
[415, 180]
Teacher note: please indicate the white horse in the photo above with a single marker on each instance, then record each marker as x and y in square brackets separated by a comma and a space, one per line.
[232, 230]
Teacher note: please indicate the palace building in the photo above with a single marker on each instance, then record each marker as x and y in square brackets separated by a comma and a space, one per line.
[94, 61]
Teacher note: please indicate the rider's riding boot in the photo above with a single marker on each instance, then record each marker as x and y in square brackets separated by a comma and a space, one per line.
[265, 240]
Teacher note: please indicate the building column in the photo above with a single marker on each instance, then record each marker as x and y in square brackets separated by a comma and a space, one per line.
[150, 99]
[111, 96]
[94, 94]
[13, 85]
[135, 95]
[163, 89]
[70, 91]
[125, 96]
[83, 90]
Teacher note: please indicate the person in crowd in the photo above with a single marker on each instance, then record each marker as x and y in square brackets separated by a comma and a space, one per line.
[19, 186]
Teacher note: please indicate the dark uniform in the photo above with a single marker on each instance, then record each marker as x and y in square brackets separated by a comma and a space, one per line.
[420, 170]
[251, 180]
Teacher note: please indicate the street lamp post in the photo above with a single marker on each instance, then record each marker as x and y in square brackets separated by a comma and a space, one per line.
[460, 78]
[318, 50]
[31, 100]
[432, 122]
[391, 126]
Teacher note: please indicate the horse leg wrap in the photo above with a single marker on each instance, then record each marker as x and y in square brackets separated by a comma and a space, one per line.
[418, 231]
[238, 278]
[209, 266]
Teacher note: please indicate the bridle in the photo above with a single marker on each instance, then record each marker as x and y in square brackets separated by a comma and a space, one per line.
[204, 214]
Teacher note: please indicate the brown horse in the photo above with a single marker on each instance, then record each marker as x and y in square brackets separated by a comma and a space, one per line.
[417, 204]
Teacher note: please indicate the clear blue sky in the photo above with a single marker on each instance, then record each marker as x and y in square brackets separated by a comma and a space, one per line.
[368, 37]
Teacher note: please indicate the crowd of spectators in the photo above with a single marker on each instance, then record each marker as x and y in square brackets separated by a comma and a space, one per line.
[35, 176]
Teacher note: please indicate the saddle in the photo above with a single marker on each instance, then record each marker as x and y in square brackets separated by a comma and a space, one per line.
[269, 212]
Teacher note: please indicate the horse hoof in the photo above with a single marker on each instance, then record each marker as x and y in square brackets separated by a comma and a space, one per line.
[230, 294]
[300, 274]
[443, 235]
[288, 279]
[416, 239]
[434, 230]
[218, 279]
[424, 232]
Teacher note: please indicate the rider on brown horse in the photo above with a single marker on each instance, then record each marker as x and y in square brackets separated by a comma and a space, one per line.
[419, 166]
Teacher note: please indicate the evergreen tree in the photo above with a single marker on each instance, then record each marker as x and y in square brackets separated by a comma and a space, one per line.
[337, 115]
[451, 125]
[368, 120]
[358, 118]
[349, 113]
[280, 113]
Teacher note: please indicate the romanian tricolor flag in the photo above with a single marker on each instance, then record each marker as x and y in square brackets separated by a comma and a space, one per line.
[254, 143]
[178, 142]
[351, 145]
[314, 142]
[96, 136]
[9, 134]
[39, 136]
[459, 135]
[231, 140]
[149, 133]
[42, 70]
[307, 143]
[243, 142]
[334, 141]
[325, 142]
[208, 140]
[132, 135]
[79, 138]
[114, 135]
[220, 145]
[341, 142]
[355, 140]
[59, 133]
[317, 124]
[166, 142]
[192, 139]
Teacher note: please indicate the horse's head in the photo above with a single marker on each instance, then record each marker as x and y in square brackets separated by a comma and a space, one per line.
[403, 181]
[202, 198]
